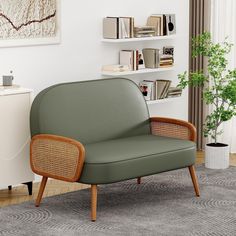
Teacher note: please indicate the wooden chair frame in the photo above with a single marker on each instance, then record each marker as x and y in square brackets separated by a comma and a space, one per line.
[180, 127]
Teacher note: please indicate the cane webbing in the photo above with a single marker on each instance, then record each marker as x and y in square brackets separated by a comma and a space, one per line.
[56, 158]
[170, 130]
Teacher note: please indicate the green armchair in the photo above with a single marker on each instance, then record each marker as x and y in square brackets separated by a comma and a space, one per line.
[100, 132]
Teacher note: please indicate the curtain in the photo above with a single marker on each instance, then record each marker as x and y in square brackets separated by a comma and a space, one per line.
[223, 24]
[199, 22]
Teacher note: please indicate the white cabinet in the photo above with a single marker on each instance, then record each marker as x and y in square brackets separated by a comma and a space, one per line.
[15, 137]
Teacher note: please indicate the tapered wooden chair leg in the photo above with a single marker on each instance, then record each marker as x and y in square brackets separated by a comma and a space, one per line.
[41, 190]
[93, 202]
[194, 180]
[139, 180]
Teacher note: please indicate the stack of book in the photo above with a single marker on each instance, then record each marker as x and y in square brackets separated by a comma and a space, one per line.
[164, 24]
[154, 90]
[115, 68]
[144, 31]
[166, 60]
[130, 58]
[174, 92]
[118, 27]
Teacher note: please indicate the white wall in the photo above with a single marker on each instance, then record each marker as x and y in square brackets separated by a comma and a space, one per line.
[81, 52]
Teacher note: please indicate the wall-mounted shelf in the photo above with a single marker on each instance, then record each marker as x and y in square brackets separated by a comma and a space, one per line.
[164, 100]
[135, 72]
[139, 39]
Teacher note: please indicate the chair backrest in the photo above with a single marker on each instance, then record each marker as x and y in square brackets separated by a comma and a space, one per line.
[91, 111]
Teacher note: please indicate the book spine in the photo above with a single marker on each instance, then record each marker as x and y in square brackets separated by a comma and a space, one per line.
[117, 28]
[131, 27]
[137, 59]
[134, 60]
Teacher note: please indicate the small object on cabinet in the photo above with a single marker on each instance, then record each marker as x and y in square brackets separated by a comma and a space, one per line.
[7, 79]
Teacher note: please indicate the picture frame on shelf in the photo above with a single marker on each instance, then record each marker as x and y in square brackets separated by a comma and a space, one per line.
[168, 50]
[140, 60]
[146, 88]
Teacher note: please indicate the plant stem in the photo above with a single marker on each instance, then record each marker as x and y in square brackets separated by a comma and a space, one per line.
[215, 135]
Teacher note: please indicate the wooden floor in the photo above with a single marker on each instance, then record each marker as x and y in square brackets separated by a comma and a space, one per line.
[20, 194]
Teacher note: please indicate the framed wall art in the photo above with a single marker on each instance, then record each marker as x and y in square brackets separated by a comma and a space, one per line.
[29, 22]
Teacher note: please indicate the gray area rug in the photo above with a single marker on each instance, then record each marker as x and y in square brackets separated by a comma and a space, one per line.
[163, 205]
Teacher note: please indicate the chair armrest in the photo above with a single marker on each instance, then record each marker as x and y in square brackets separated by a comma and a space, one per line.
[57, 157]
[173, 128]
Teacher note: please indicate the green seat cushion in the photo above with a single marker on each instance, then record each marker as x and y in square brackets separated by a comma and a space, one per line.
[126, 158]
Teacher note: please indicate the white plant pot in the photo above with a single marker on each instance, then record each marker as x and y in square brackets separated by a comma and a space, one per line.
[216, 157]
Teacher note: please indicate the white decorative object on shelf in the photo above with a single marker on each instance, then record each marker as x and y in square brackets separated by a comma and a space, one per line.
[139, 39]
[217, 157]
[134, 72]
[15, 106]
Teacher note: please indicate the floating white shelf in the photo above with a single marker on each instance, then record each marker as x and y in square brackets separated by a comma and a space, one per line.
[135, 72]
[164, 100]
[139, 39]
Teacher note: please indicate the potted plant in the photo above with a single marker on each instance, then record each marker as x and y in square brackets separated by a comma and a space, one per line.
[219, 91]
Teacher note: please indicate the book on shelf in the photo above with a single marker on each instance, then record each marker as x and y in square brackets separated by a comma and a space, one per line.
[144, 31]
[157, 22]
[118, 27]
[110, 29]
[166, 60]
[115, 68]
[161, 88]
[174, 92]
[145, 58]
[154, 90]
[129, 58]
[164, 24]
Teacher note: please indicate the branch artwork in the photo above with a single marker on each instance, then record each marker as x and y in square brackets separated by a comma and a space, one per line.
[28, 19]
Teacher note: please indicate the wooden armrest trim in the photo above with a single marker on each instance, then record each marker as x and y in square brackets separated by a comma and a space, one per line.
[57, 157]
[173, 128]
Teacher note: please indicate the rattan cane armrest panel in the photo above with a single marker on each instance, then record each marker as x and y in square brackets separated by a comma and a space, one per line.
[56, 157]
[173, 128]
